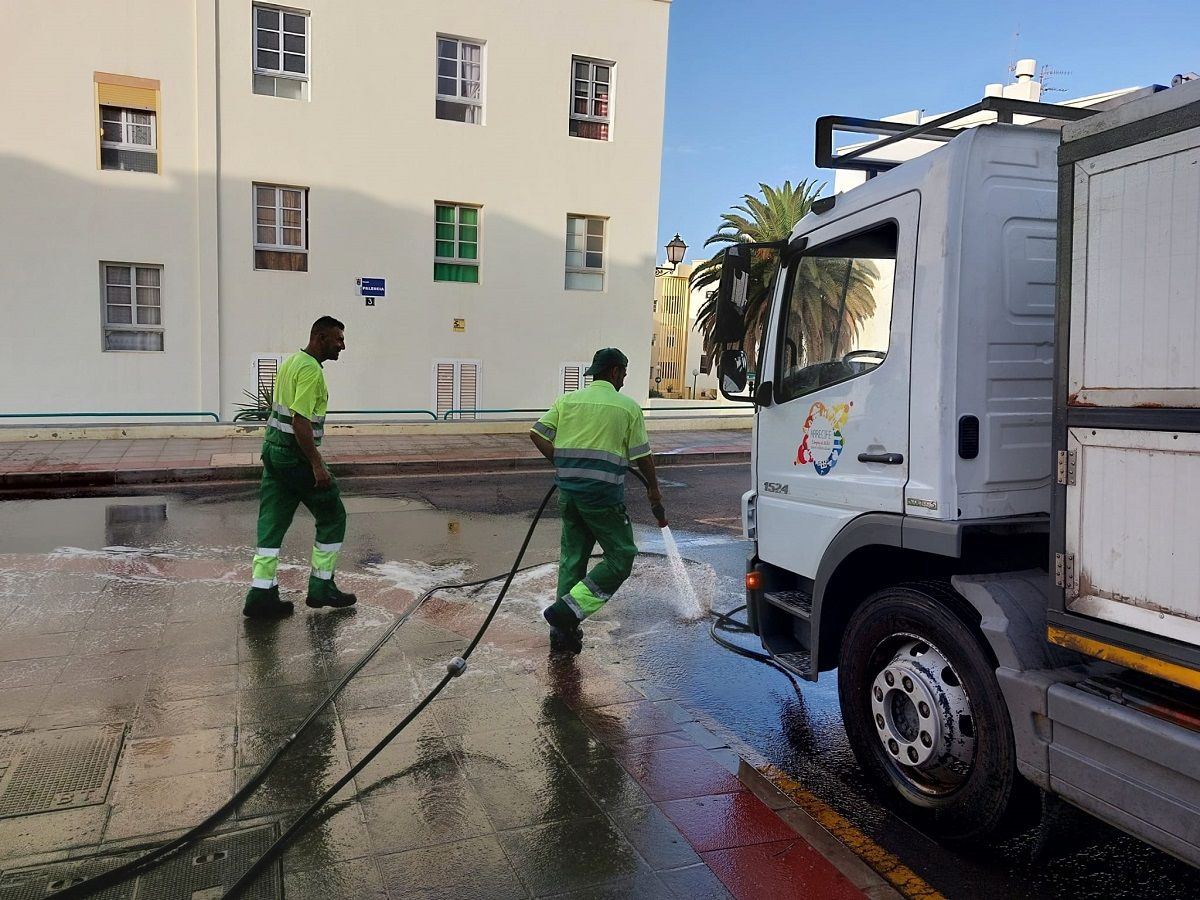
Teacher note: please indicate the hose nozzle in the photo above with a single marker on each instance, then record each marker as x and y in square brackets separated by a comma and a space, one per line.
[660, 514]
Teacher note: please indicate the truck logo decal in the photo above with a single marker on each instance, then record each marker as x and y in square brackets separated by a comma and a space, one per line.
[822, 444]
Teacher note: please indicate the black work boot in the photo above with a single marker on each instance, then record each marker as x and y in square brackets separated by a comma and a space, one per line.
[327, 594]
[565, 634]
[264, 603]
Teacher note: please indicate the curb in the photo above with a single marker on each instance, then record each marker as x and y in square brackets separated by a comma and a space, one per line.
[13, 481]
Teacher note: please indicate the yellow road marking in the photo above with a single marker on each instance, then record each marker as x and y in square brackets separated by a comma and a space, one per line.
[902, 878]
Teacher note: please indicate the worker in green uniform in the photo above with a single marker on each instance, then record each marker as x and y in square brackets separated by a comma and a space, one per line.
[295, 473]
[592, 435]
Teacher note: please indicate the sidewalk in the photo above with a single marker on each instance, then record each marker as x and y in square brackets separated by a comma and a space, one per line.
[91, 463]
[136, 698]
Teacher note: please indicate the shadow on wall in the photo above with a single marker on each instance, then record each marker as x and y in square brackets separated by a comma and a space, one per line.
[518, 321]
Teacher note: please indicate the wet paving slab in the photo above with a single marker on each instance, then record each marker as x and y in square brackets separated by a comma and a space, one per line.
[529, 776]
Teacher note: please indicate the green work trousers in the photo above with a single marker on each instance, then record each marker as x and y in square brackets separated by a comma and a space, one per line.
[287, 481]
[583, 527]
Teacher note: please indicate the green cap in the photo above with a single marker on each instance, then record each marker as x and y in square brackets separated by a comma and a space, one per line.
[605, 359]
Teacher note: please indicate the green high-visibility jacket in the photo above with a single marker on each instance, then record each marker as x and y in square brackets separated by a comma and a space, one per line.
[596, 432]
[300, 389]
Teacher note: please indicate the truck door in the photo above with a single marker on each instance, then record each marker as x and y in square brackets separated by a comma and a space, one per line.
[833, 443]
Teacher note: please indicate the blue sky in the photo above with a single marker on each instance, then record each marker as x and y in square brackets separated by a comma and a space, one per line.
[746, 79]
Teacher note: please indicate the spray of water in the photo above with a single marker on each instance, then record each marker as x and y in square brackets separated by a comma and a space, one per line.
[684, 595]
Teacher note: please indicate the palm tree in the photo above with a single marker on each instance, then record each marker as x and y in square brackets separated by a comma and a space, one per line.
[832, 289]
[756, 221]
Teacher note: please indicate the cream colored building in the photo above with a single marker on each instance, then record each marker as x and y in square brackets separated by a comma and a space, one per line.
[187, 185]
[679, 367]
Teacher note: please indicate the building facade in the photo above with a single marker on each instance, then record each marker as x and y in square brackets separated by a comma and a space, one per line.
[680, 369]
[195, 182]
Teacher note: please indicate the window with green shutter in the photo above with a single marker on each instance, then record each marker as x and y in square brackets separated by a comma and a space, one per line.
[456, 243]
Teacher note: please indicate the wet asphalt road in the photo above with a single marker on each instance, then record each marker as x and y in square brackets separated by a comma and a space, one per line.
[479, 520]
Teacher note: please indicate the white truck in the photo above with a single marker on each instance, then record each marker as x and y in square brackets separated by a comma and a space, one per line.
[976, 468]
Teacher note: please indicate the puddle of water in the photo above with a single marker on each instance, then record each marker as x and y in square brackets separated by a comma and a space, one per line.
[687, 604]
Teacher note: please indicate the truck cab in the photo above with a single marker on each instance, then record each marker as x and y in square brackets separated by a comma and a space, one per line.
[910, 456]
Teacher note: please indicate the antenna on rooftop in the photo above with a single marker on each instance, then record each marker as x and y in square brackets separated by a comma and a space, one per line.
[1044, 76]
[1013, 48]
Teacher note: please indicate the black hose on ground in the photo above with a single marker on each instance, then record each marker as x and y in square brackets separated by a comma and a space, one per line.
[135, 867]
[724, 621]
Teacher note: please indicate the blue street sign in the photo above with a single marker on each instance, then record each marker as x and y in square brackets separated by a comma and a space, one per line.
[370, 287]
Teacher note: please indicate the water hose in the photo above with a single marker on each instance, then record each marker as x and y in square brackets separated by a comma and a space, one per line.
[455, 667]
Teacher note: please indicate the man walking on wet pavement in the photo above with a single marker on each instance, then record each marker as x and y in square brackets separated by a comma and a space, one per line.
[592, 435]
[295, 473]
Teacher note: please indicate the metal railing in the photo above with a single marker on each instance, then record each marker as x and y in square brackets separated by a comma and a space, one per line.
[82, 415]
[647, 409]
[383, 412]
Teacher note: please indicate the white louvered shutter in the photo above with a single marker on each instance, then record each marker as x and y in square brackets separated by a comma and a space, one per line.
[443, 388]
[468, 388]
[573, 378]
[456, 387]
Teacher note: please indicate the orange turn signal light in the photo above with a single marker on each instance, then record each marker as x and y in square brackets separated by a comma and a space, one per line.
[754, 581]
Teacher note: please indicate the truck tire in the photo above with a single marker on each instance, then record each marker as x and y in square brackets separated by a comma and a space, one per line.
[925, 715]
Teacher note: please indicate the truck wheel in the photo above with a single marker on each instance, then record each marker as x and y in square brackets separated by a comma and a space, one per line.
[924, 712]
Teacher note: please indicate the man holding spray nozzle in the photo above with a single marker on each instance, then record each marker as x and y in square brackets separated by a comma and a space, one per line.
[592, 435]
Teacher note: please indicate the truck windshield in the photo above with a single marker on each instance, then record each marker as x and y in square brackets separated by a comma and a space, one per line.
[836, 322]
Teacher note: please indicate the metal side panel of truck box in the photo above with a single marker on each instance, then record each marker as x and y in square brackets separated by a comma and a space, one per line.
[1129, 461]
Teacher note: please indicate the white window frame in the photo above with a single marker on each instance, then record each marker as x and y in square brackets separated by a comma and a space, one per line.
[458, 207]
[457, 97]
[279, 188]
[585, 269]
[126, 144]
[132, 326]
[254, 48]
[592, 62]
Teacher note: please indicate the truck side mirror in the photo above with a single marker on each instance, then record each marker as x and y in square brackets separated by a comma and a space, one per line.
[733, 373]
[733, 294]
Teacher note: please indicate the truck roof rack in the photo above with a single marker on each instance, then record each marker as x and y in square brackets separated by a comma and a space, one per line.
[894, 132]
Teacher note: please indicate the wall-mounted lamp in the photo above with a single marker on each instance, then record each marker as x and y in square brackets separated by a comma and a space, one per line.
[676, 248]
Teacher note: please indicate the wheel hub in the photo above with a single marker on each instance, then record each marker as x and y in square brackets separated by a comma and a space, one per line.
[922, 714]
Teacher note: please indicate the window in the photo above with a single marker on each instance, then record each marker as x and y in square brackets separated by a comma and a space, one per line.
[838, 316]
[132, 298]
[456, 387]
[591, 98]
[459, 80]
[456, 243]
[280, 227]
[280, 52]
[128, 139]
[585, 253]
[572, 376]
[127, 114]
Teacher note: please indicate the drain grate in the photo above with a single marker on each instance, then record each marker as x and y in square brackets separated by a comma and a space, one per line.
[201, 872]
[48, 770]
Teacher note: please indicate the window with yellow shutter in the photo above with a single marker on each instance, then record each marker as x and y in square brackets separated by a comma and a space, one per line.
[127, 109]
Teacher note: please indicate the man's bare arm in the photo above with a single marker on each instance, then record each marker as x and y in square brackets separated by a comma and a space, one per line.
[544, 446]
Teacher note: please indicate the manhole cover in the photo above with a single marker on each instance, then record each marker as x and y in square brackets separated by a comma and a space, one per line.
[206, 870]
[48, 770]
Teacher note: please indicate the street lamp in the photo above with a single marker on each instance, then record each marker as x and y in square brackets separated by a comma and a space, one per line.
[676, 248]
[695, 375]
